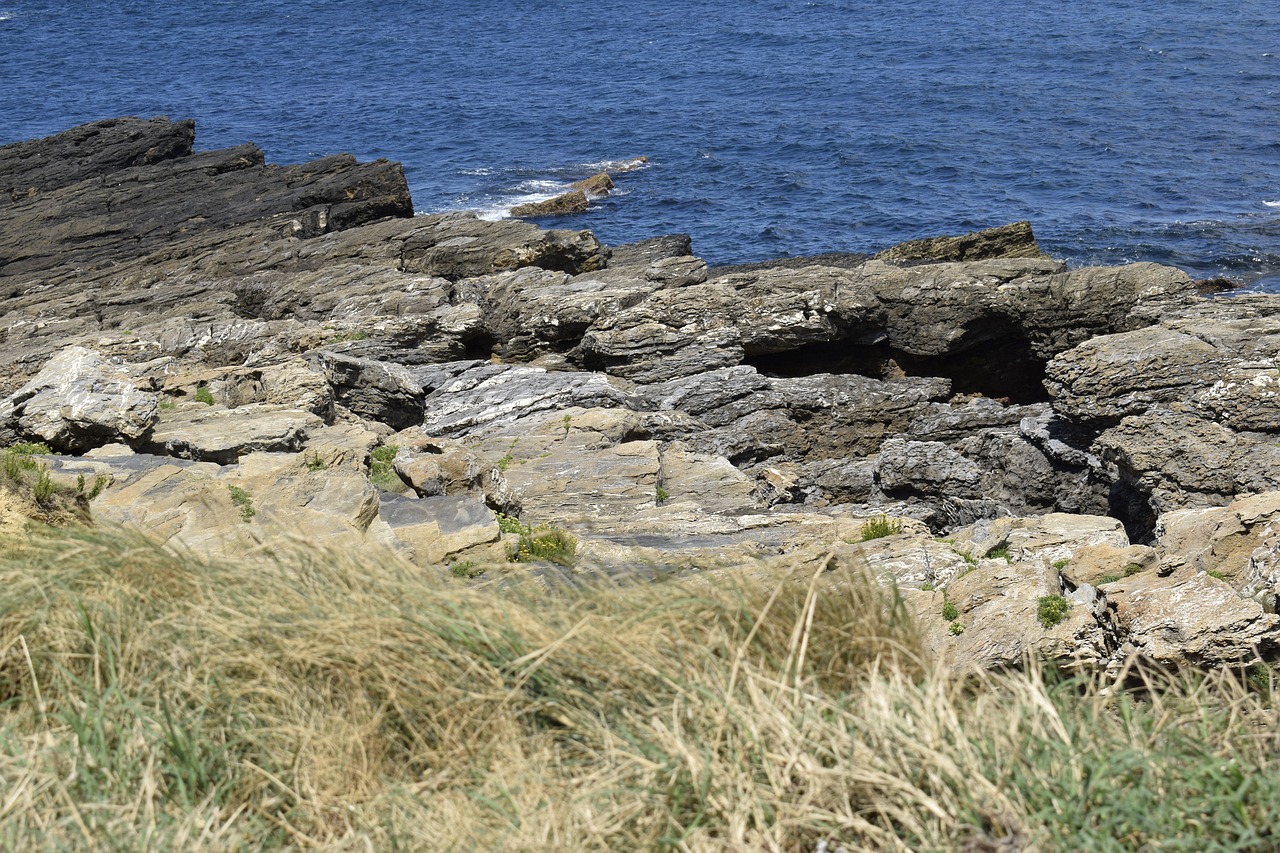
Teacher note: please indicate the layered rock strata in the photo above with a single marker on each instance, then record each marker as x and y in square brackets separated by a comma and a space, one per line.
[243, 352]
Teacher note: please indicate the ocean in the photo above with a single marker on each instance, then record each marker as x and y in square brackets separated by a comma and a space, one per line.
[1123, 130]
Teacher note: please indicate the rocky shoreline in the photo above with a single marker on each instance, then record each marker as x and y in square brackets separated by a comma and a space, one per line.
[243, 353]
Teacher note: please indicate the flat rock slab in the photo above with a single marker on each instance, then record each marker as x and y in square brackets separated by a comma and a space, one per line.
[434, 529]
[215, 434]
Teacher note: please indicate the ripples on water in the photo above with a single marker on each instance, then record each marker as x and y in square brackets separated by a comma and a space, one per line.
[1122, 130]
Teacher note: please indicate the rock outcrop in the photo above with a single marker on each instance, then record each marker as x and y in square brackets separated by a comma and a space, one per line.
[242, 352]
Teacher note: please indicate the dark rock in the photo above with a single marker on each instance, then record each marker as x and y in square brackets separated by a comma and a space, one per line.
[645, 252]
[29, 169]
[1005, 241]
[374, 390]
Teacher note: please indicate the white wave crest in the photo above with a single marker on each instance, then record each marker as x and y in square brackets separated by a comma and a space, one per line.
[1272, 203]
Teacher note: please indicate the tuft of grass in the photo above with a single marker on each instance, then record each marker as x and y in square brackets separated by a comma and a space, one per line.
[1217, 573]
[956, 629]
[1000, 553]
[1052, 609]
[244, 501]
[382, 472]
[1132, 569]
[204, 395]
[880, 527]
[167, 403]
[30, 448]
[315, 463]
[466, 569]
[1109, 579]
[1062, 564]
[950, 612]
[662, 495]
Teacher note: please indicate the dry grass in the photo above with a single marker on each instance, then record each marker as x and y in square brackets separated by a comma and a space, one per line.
[155, 701]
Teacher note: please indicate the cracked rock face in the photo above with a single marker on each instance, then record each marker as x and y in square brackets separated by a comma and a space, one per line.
[1102, 434]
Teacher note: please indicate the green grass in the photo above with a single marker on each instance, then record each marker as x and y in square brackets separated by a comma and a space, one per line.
[662, 495]
[153, 700]
[315, 463]
[1000, 553]
[950, 612]
[382, 472]
[880, 527]
[204, 395]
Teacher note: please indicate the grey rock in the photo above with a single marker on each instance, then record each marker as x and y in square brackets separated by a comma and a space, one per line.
[77, 402]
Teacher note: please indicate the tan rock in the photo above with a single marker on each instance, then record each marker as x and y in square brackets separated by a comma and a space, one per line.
[1106, 563]
[598, 184]
[1189, 619]
[561, 205]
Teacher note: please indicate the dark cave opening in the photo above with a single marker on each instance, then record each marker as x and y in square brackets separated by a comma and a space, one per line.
[1003, 368]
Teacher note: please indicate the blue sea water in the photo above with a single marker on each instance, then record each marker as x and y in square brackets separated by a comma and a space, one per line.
[1123, 129]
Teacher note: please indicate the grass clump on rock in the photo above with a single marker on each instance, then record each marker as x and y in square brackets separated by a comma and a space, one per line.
[1052, 609]
[540, 542]
[151, 699]
[880, 527]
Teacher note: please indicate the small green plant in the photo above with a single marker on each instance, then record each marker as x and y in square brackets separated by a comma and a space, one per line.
[204, 395]
[1062, 564]
[99, 483]
[1000, 553]
[568, 422]
[167, 403]
[1132, 569]
[1109, 579]
[509, 524]
[30, 448]
[926, 587]
[1261, 679]
[382, 471]
[956, 629]
[663, 495]
[244, 501]
[358, 335]
[950, 612]
[1052, 609]
[880, 527]
[466, 569]
[539, 542]
[1217, 573]
[505, 462]
[315, 463]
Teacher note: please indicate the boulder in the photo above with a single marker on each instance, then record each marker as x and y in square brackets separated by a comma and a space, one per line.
[1189, 620]
[598, 184]
[375, 390]
[574, 201]
[79, 401]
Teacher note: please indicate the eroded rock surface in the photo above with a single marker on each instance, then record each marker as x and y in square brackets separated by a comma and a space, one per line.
[242, 352]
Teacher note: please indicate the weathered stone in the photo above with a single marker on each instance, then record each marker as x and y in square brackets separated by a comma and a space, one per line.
[375, 390]
[216, 434]
[598, 184]
[562, 205]
[78, 401]
[1188, 620]
[926, 467]
[998, 625]
[1004, 241]
[437, 528]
